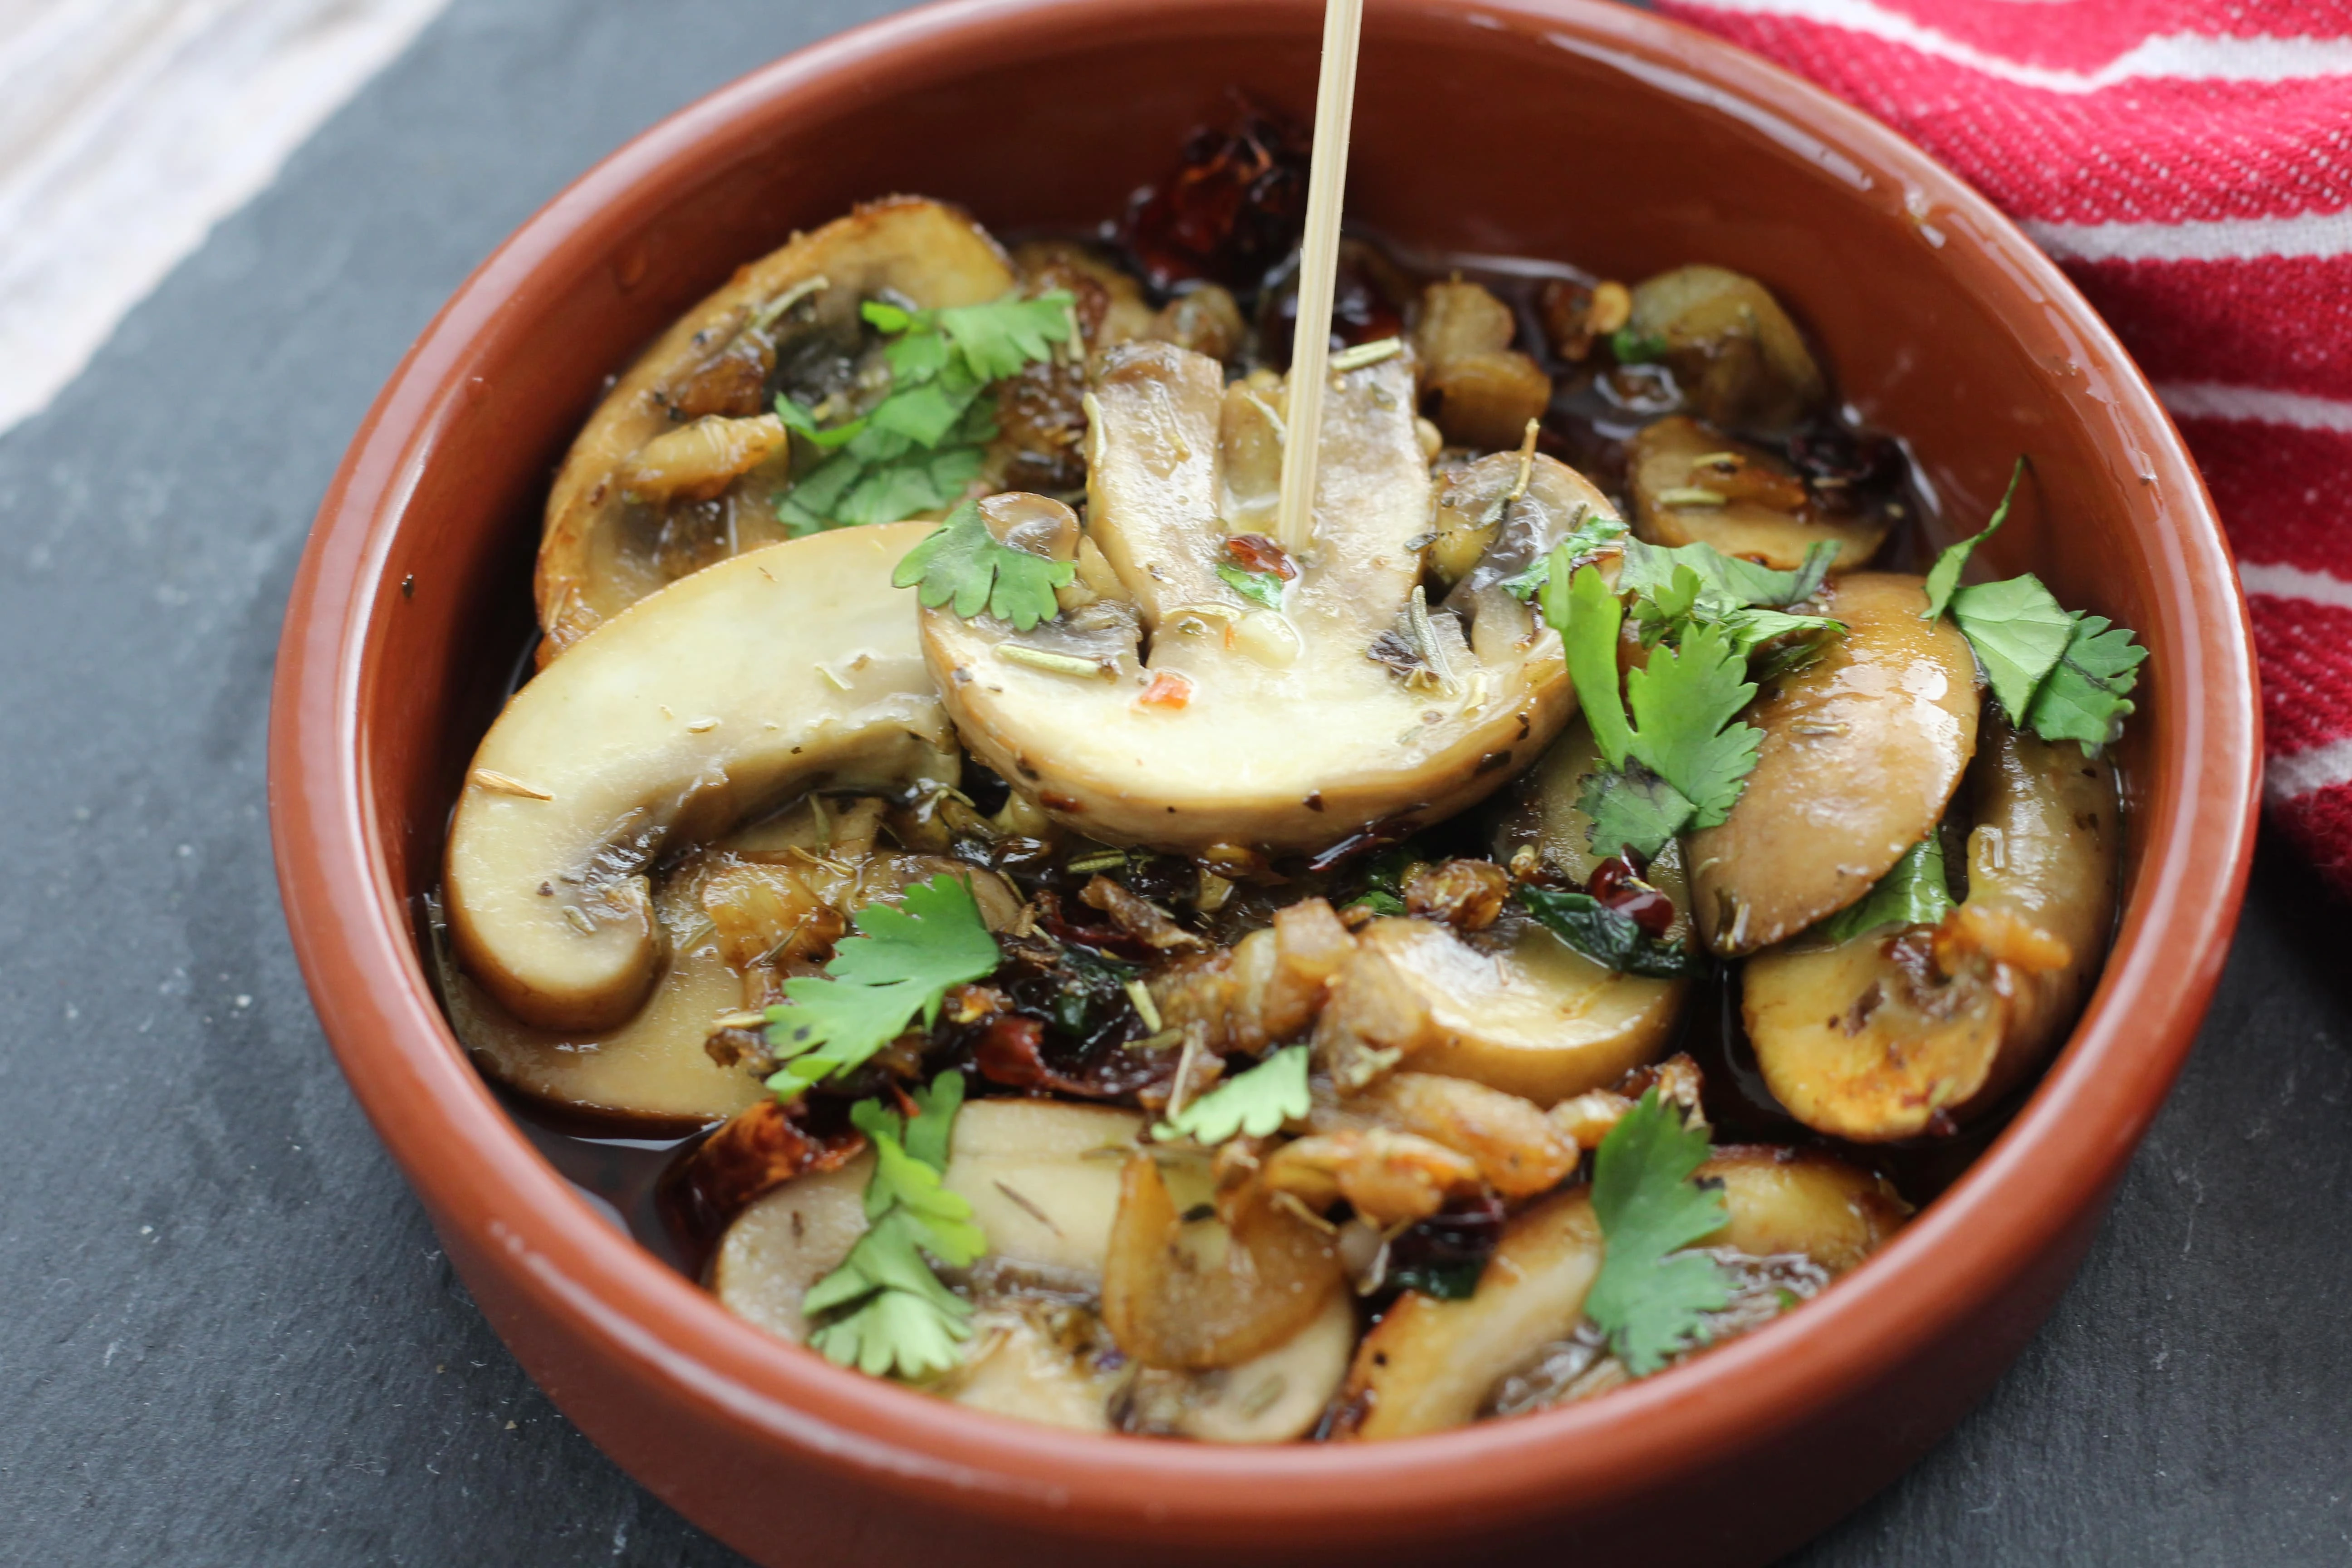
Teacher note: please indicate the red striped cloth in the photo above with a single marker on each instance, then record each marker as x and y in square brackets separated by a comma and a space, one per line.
[2190, 163]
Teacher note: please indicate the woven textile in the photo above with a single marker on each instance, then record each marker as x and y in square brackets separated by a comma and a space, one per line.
[2190, 163]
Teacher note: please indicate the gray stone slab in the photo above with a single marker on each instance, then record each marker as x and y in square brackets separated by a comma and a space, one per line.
[226, 1335]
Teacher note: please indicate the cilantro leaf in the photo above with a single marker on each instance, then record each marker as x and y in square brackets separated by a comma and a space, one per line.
[1263, 589]
[2086, 695]
[893, 1314]
[997, 339]
[963, 564]
[1650, 568]
[1683, 701]
[1944, 577]
[942, 1220]
[1586, 613]
[1630, 347]
[1651, 1298]
[1608, 938]
[1633, 808]
[1257, 1102]
[879, 983]
[800, 419]
[1594, 534]
[919, 447]
[1913, 892]
[2019, 633]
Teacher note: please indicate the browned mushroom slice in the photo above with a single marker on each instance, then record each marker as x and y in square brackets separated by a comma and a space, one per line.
[1862, 750]
[796, 306]
[1898, 1032]
[1525, 1014]
[1274, 1397]
[1186, 715]
[1042, 1179]
[1694, 486]
[1432, 1365]
[714, 701]
[1196, 1293]
[1484, 391]
[786, 1242]
[1739, 358]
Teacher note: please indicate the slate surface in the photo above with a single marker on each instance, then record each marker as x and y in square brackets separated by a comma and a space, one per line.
[226, 1335]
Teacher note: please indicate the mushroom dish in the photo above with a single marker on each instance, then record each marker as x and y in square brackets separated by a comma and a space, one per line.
[978, 885]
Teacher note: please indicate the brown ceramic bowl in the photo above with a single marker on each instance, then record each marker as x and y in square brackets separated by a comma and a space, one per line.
[1537, 127]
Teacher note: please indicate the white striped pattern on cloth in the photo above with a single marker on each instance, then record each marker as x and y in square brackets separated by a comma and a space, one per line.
[2213, 239]
[2180, 57]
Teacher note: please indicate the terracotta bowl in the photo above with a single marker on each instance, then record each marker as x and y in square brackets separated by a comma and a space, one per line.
[1537, 127]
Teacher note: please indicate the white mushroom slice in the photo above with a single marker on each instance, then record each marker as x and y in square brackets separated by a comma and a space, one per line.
[786, 1242]
[1739, 358]
[1433, 1364]
[651, 1069]
[1042, 1178]
[1030, 1360]
[800, 303]
[1529, 1015]
[1276, 1397]
[1429, 1364]
[1862, 750]
[1694, 486]
[1267, 728]
[786, 669]
[1893, 1033]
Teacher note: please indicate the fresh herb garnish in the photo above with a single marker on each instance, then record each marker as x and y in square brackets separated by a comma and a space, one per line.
[1257, 1102]
[2085, 697]
[961, 564]
[894, 1314]
[1608, 937]
[1650, 1297]
[2064, 674]
[1636, 348]
[1913, 892]
[917, 449]
[1944, 577]
[1676, 719]
[1261, 588]
[1594, 534]
[879, 982]
[1729, 581]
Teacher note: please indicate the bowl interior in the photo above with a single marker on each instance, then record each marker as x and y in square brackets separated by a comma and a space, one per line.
[1585, 133]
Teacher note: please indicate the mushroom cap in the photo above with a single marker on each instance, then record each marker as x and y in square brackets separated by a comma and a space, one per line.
[722, 696]
[1288, 735]
[591, 565]
[1862, 1045]
[1862, 750]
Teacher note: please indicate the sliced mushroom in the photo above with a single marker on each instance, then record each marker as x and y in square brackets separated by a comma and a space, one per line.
[1185, 1290]
[650, 1072]
[1862, 750]
[1428, 1365]
[1042, 1179]
[1525, 1014]
[1432, 1365]
[788, 316]
[1695, 485]
[1276, 1397]
[1894, 1034]
[1483, 391]
[1039, 1360]
[1185, 716]
[788, 1241]
[788, 669]
[1494, 519]
[1739, 358]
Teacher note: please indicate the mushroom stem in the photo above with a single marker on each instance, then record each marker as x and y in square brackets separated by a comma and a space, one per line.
[1319, 269]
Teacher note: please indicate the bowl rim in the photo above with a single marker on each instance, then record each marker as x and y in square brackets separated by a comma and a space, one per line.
[352, 931]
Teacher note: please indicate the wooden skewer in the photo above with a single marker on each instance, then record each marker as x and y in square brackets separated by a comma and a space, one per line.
[1319, 270]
